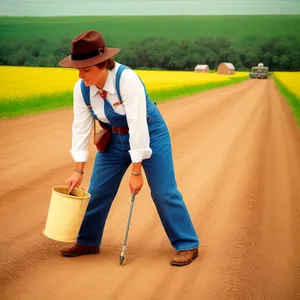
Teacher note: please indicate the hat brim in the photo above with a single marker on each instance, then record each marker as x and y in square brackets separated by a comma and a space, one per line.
[67, 62]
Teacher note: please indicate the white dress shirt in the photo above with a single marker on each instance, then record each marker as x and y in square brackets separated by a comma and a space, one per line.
[134, 106]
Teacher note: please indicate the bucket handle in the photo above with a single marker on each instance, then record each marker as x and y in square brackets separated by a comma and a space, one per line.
[81, 200]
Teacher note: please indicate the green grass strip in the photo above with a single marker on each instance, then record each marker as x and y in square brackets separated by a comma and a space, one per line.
[47, 102]
[292, 99]
[35, 104]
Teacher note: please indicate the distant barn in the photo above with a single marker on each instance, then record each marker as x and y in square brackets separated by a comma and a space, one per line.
[226, 68]
[202, 69]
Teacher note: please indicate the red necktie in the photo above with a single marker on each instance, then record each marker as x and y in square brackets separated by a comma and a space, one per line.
[102, 94]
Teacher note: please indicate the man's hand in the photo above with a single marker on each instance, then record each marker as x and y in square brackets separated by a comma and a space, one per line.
[136, 183]
[74, 181]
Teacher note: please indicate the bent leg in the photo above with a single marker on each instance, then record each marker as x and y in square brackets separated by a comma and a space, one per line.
[108, 171]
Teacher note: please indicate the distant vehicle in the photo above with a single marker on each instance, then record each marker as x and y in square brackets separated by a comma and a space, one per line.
[259, 72]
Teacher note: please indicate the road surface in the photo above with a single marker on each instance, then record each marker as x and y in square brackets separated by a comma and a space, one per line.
[237, 161]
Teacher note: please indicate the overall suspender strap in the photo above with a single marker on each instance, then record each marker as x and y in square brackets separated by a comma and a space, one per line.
[118, 78]
[85, 91]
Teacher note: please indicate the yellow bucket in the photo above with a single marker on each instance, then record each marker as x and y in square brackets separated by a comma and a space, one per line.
[66, 213]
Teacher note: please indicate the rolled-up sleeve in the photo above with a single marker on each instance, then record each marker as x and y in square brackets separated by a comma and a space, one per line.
[81, 127]
[134, 101]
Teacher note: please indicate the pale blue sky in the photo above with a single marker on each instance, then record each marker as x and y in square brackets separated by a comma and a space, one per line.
[146, 7]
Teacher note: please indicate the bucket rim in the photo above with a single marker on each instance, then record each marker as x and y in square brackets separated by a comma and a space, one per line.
[87, 195]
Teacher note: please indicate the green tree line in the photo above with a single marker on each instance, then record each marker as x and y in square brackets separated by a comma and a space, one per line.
[280, 53]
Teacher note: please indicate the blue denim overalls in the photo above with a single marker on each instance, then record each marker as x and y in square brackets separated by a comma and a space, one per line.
[110, 166]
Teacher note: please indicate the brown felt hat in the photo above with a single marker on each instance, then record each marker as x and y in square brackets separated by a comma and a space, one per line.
[88, 49]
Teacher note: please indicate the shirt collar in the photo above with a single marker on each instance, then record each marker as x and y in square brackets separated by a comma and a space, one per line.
[108, 86]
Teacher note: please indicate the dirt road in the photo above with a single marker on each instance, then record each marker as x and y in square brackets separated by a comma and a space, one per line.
[237, 160]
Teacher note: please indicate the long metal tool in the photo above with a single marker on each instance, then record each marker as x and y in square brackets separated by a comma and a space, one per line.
[122, 256]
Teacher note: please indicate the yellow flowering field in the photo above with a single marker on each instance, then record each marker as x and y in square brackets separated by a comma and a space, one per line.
[20, 82]
[159, 80]
[291, 80]
[288, 84]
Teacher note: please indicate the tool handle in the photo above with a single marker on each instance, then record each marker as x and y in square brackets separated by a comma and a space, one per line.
[132, 197]
[129, 219]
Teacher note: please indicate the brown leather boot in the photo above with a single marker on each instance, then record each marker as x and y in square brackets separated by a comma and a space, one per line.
[78, 249]
[184, 257]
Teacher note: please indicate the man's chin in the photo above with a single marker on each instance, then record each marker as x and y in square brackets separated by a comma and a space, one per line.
[87, 83]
